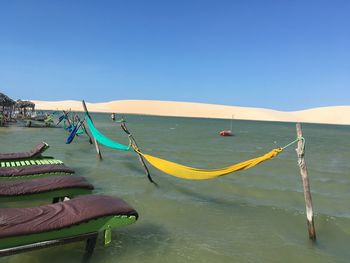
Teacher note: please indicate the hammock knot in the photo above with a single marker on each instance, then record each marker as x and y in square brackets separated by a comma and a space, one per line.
[277, 151]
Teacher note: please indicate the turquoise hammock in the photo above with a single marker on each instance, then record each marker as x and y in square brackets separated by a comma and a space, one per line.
[99, 137]
[105, 140]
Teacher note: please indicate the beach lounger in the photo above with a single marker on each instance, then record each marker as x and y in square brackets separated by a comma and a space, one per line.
[53, 187]
[34, 153]
[81, 218]
[29, 162]
[33, 171]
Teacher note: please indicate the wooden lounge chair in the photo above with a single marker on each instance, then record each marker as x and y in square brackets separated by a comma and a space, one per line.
[53, 187]
[81, 218]
[33, 171]
[34, 153]
[19, 163]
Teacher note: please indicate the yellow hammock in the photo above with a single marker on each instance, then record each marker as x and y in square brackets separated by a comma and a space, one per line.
[190, 173]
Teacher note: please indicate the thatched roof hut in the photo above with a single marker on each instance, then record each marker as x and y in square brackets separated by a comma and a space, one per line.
[24, 107]
[21, 107]
[6, 107]
[5, 101]
[20, 104]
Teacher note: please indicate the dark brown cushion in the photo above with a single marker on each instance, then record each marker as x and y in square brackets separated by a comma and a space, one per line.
[42, 185]
[39, 149]
[26, 221]
[34, 169]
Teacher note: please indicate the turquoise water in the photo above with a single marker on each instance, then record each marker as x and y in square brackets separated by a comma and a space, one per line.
[249, 216]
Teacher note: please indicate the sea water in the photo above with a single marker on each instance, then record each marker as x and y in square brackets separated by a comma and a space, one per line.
[256, 215]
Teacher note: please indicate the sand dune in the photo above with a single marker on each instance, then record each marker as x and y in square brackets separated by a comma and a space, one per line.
[330, 115]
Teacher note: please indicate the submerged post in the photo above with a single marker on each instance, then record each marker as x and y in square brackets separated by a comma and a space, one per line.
[306, 185]
[95, 141]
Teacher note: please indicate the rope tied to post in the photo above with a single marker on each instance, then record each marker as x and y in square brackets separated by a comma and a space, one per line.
[295, 141]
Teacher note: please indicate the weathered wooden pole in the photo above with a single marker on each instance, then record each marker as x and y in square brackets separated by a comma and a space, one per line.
[306, 185]
[84, 128]
[132, 140]
[67, 117]
[87, 133]
[96, 143]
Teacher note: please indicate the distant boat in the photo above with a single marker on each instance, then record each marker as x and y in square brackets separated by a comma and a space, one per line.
[227, 132]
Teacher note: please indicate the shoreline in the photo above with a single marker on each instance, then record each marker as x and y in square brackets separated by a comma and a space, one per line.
[336, 115]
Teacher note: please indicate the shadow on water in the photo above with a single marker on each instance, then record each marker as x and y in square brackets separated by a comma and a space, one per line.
[134, 166]
[141, 240]
[332, 232]
[332, 236]
[195, 194]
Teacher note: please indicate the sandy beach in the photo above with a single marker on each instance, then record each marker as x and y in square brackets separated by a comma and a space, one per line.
[326, 115]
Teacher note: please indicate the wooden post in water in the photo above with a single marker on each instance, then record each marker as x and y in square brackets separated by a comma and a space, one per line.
[67, 117]
[87, 133]
[132, 140]
[84, 128]
[306, 186]
[96, 143]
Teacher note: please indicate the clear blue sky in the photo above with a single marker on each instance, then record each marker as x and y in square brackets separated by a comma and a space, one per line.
[285, 55]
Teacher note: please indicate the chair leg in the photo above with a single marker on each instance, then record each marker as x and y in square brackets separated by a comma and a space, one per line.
[55, 200]
[89, 248]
